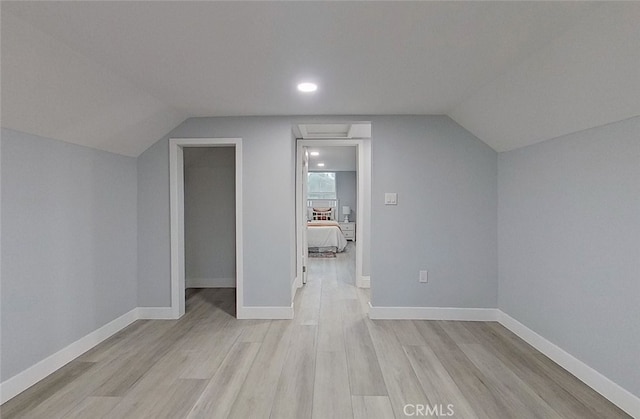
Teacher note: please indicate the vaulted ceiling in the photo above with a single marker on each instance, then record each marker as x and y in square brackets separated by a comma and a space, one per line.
[119, 75]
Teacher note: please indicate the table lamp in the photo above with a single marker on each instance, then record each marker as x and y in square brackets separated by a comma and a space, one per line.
[346, 210]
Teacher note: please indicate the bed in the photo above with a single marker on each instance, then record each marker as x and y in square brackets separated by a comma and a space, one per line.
[325, 236]
[323, 232]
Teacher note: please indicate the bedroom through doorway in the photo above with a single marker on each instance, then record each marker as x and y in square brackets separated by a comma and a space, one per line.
[332, 209]
[331, 200]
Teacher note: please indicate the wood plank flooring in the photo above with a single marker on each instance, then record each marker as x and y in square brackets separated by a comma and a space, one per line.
[331, 361]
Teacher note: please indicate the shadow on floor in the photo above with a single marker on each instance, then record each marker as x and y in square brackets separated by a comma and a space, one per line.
[217, 298]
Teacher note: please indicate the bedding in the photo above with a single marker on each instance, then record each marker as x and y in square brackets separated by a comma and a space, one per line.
[325, 234]
[324, 214]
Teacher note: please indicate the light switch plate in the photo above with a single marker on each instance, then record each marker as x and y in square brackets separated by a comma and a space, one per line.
[391, 198]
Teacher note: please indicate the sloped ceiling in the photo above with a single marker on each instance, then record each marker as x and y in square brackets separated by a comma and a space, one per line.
[587, 77]
[120, 75]
[51, 90]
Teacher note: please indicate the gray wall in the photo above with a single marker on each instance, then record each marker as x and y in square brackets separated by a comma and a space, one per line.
[210, 218]
[446, 218]
[154, 240]
[569, 217]
[268, 194]
[68, 245]
[347, 190]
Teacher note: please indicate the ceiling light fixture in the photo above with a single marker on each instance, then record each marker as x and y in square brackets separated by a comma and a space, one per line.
[314, 153]
[307, 87]
[320, 164]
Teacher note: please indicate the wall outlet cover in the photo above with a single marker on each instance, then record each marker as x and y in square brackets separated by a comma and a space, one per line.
[424, 276]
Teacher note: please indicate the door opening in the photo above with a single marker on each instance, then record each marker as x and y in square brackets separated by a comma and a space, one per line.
[209, 217]
[190, 161]
[360, 223]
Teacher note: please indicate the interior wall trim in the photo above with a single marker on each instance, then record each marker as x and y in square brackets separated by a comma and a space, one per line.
[25, 379]
[610, 390]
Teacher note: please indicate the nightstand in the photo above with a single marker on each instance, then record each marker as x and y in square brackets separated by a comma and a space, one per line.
[349, 230]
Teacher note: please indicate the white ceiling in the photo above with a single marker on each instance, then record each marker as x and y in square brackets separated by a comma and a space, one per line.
[335, 159]
[119, 75]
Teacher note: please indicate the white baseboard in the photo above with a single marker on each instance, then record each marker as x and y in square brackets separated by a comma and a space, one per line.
[22, 381]
[363, 282]
[603, 385]
[210, 282]
[25, 379]
[432, 313]
[265, 313]
[155, 313]
[297, 283]
[613, 392]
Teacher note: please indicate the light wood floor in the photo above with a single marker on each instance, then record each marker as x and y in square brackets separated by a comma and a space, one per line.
[331, 361]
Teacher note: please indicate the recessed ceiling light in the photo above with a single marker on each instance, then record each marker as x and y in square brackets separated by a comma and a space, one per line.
[314, 153]
[320, 164]
[307, 87]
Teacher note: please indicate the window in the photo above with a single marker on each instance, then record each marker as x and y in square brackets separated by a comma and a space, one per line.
[321, 185]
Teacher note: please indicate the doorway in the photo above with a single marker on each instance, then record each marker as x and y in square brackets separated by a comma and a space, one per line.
[179, 266]
[361, 220]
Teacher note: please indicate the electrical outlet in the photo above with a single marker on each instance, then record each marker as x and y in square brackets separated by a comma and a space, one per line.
[424, 276]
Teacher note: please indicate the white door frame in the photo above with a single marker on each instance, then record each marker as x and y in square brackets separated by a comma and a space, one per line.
[176, 188]
[302, 214]
[361, 282]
